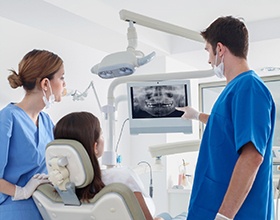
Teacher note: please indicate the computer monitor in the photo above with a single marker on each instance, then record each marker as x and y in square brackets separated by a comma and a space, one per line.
[152, 106]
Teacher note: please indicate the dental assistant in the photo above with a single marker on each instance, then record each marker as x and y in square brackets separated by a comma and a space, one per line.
[233, 177]
[24, 132]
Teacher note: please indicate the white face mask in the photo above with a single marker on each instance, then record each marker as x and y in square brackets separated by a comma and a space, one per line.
[51, 100]
[219, 70]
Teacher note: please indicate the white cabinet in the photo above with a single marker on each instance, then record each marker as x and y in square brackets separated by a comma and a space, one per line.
[178, 201]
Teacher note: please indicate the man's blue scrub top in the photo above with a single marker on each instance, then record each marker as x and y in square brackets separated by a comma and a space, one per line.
[244, 112]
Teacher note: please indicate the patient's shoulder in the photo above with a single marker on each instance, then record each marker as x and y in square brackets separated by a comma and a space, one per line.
[116, 174]
[121, 175]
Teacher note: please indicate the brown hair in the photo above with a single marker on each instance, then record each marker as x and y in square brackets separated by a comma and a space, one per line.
[35, 66]
[229, 31]
[85, 128]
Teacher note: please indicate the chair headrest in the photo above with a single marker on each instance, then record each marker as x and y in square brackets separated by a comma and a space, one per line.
[74, 161]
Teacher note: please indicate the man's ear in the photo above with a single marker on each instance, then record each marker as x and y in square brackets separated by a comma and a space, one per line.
[220, 49]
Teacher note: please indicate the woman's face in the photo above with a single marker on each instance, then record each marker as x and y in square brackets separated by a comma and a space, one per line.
[58, 84]
[99, 146]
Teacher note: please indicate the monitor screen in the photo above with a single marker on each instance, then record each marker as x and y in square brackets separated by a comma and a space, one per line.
[152, 106]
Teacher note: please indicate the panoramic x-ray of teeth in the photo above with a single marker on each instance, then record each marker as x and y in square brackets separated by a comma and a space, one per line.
[158, 101]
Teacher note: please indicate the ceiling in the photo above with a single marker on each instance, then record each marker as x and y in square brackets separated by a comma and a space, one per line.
[97, 24]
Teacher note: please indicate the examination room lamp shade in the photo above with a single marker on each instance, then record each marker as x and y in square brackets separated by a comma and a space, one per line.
[120, 64]
[125, 62]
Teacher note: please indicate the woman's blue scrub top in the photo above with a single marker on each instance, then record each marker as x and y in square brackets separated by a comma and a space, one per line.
[22, 154]
[244, 112]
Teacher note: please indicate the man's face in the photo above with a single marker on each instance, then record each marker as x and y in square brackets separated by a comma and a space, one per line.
[212, 56]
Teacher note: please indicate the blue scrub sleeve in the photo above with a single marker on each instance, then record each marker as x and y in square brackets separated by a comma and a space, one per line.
[252, 117]
[5, 135]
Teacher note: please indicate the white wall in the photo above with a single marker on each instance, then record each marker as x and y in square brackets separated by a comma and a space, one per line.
[17, 40]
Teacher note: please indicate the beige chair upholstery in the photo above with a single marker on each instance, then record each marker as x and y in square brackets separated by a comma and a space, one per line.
[69, 167]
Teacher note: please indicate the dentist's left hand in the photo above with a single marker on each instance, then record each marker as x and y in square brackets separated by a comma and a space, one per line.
[26, 191]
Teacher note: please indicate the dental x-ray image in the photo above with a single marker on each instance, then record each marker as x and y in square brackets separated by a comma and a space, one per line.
[158, 101]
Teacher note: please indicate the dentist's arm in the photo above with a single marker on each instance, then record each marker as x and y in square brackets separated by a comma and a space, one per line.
[7, 188]
[242, 179]
[203, 117]
[19, 193]
[191, 113]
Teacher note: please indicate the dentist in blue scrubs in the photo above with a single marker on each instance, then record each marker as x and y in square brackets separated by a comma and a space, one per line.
[24, 132]
[233, 177]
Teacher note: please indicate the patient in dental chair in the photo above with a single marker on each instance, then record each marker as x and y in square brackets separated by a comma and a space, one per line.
[85, 128]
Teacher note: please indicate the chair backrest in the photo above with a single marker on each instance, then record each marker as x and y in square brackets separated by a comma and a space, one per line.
[69, 167]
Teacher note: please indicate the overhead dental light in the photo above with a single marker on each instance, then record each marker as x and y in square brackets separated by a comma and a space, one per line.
[125, 62]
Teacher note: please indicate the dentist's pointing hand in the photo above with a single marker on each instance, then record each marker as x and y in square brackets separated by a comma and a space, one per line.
[189, 112]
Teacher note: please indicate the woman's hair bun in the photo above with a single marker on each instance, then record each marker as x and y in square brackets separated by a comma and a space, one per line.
[14, 79]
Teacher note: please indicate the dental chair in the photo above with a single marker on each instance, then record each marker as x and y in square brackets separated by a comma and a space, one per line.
[69, 167]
